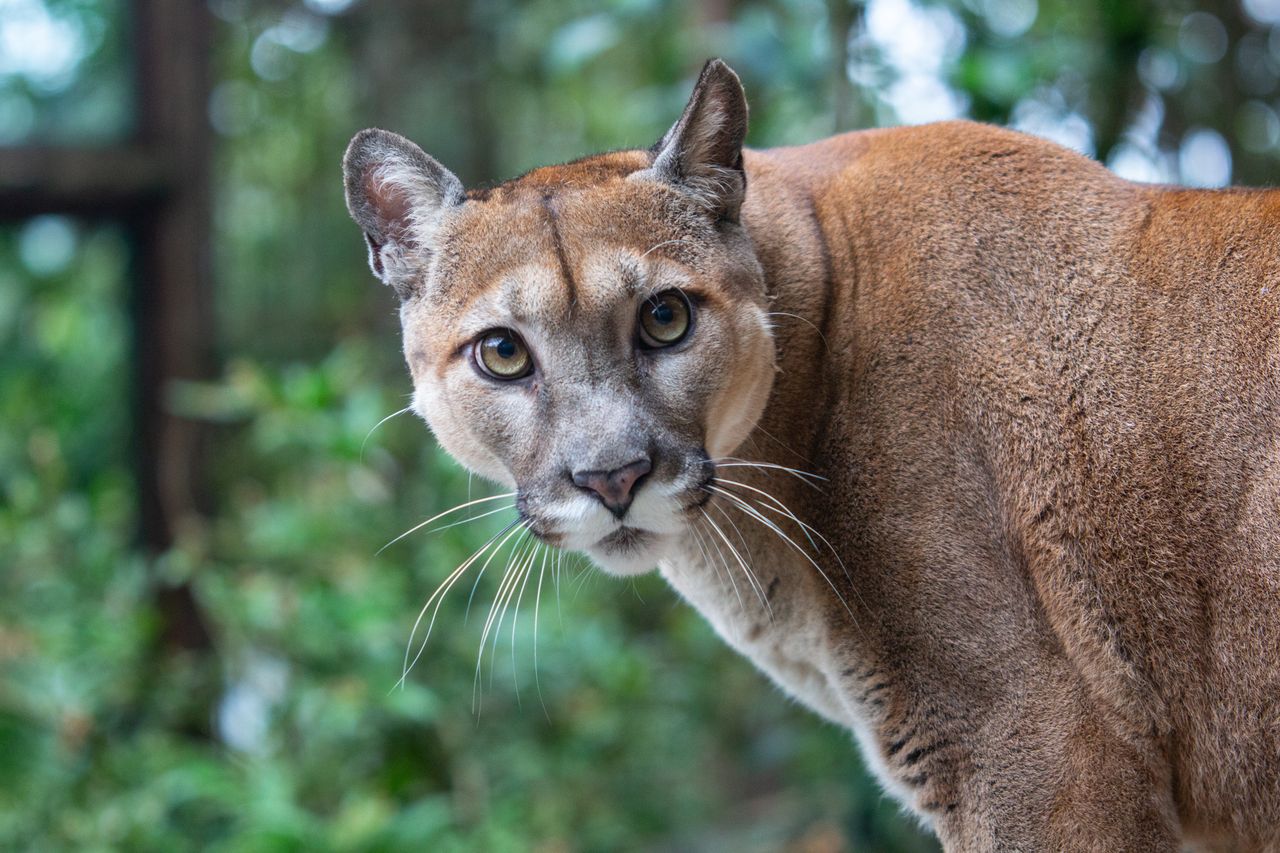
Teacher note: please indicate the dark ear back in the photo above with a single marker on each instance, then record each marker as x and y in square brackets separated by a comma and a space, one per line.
[398, 195]
[702, 152]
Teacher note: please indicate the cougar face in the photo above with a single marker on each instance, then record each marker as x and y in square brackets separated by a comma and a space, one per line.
[591, 335]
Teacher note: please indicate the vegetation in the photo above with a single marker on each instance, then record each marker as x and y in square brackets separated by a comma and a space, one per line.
[637, 729]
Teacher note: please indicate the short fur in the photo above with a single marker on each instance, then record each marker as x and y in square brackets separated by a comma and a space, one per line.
[1045, 401]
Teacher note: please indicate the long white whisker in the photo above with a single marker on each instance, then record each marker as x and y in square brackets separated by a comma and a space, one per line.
[755, 581]
[728, 572]
[782, 509]
[378, 424]
[501, 601]
[449, 583]
[754, 513]
[515, 617]
[471, 518]
[522, 577]
[734, 462]
[738, 557]
[804, 528]
[580, 582]
[738, 501]
[537, 606]
[438, 516]
[556, 572]
[514, 557]
[802, 320]
[742, 540]
[524, 531]
[706, 558]
[466, 615]
[439, 594]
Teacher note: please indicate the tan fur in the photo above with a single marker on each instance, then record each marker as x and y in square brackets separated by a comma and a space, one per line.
[1045, 401]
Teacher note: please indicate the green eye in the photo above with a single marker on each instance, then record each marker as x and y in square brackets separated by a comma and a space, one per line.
[501, 354]
[665, 319]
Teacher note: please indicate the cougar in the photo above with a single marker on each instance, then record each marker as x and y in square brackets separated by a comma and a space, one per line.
[969, 444]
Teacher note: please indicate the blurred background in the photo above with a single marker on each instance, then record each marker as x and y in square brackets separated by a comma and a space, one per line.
[199, 639]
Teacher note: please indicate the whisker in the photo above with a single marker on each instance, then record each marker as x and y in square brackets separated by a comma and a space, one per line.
[742, 540]
[782, 444]
[727, 572]
[471, 518]
[580, 582]
[537, 605]
[466, 615]
[438, 596]
[438, 516]
[751, 575]
[806, 529]
[660, 245]
[803, 476]
[738, 557]
[509, 580]
[706, 558]
[515, 619]
[737, 500]
[519, 577]
[755, 514]
[378, 424]
[802, 320]
[555, 573]
[448, 585]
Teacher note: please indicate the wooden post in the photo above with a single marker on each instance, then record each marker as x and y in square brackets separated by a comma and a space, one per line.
[157, 185]
[172, 304]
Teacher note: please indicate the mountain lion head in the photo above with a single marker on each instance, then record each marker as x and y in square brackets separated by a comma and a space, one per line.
[593, 335]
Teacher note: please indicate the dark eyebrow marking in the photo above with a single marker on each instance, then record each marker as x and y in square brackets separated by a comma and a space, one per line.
[553, 219]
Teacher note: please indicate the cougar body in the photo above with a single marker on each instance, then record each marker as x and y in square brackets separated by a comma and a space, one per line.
[1039, 577]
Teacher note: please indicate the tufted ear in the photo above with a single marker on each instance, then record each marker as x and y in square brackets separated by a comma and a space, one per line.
[398, 195]
[702, 152]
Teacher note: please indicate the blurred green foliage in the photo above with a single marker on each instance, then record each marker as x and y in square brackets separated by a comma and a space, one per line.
[64, 73]
[638, 729]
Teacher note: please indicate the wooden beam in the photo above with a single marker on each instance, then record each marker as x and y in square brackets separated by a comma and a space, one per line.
[115, 181]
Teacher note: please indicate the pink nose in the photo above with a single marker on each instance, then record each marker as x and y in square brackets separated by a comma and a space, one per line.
[614, 488]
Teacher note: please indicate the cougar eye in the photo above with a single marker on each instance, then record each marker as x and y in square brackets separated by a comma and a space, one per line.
[665, 319]
[501, 354]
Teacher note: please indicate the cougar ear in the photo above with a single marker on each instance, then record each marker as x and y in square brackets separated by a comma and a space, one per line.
[702, 152]
[398, 195]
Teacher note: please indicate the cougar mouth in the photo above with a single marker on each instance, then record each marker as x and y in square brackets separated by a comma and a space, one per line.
[626, 539]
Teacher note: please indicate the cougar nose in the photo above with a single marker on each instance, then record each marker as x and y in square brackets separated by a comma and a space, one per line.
[614, 487]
